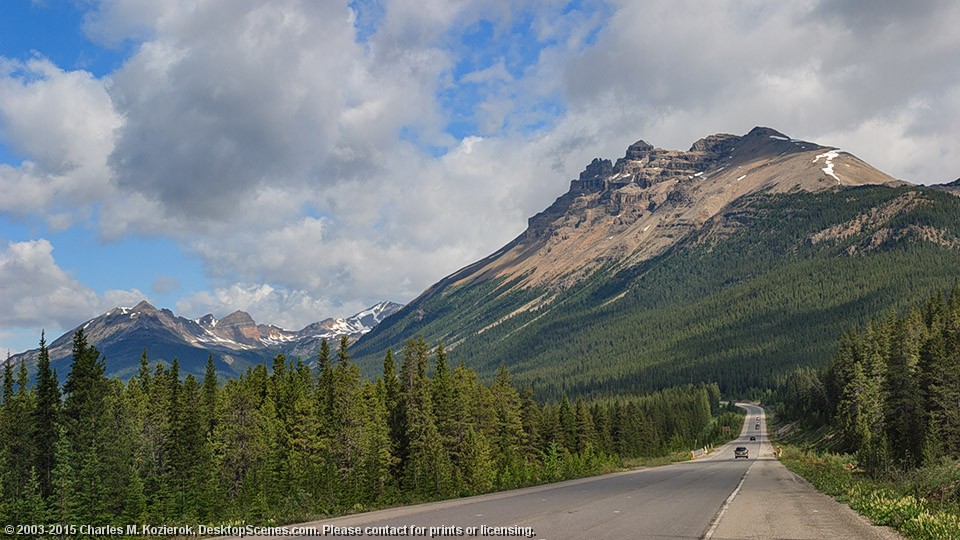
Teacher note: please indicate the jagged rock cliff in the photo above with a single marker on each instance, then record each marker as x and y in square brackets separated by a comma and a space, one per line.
[633, 209]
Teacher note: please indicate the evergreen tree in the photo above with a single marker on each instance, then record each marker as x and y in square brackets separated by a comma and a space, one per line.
[268, 479]
[476, 463]
[189, 454]
[143, 374]
[135, 407]
[45, 420]
[119, 487]
[944, 375]
[567, 425]
[904, 415]
[508, 442]
[347, 422]
[863, 407]
[325, 381]
[375, 479]
[209, 399]
[449, 420]
[87, 429]
[310, 467]
[530, 417]
[154, 434]
[585, 434]
[17, 442]
[396, 422]
[342, 355]
[85, 390]
[427, 471]
[241, 449]
[63, 501]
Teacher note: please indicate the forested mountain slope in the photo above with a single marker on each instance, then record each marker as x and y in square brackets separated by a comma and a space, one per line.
[732, 262]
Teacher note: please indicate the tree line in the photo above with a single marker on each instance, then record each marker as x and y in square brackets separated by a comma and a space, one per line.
[294, 440]
[892, 391]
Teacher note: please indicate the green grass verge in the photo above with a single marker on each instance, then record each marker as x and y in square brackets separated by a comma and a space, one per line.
[923, 504]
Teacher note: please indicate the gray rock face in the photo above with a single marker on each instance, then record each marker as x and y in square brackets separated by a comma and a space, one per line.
[634, 209]
[598, 167]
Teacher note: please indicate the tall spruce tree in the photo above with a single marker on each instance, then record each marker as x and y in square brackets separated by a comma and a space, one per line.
[508, 442]
[427, 471]
[376, 461]
[85, 390]
[325, 380]
[449, 418]
[16, 439]
[46, 420]
[210, 392]
[904, 415]
[87, 427]
[347, 422]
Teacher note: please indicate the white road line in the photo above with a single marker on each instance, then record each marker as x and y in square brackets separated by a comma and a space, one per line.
[726, 504]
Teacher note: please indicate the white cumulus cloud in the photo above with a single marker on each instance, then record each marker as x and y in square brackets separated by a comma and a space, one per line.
[303, 151]
[38, 293]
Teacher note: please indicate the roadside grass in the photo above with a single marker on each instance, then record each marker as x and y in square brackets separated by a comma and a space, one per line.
[922, 504]
[658, 461]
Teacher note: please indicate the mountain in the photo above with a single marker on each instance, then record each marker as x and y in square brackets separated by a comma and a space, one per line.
[733, 261]
[236, 341]
[952, 187]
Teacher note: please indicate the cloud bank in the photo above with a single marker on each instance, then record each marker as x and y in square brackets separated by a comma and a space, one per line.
[321, 156]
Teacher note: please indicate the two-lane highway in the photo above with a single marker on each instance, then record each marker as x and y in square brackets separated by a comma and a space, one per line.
[684, 500]
[775, 503]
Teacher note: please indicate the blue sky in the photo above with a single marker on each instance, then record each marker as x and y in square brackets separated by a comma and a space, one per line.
[54, 30]
[300, 160]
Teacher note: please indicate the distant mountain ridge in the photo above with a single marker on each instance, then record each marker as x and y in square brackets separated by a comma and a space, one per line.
[732, 261]
[236, 340]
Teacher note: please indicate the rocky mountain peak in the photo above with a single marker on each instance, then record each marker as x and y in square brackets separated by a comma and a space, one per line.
[240, 327]
[720, 143]
[634, 209]
[597, 168]
[237, 318]
[764, 132]
[638, 150]
[123, 333]
[143, 307]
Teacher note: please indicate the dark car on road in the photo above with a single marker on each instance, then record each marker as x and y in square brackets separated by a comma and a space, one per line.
[741, 452]
[752, 438]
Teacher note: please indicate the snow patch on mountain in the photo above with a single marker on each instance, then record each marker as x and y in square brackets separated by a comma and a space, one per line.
[235, 332]
[828, 157]
[358, 324]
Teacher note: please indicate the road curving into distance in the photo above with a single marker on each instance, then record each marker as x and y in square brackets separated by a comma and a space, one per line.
[714, 496]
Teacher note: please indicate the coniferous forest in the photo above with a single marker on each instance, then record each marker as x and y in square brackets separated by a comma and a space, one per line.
[892, 392]
[294, 441]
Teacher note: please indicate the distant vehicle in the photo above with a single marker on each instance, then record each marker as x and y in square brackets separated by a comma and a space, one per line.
[741, 452]
[752, 438]
[756, 426]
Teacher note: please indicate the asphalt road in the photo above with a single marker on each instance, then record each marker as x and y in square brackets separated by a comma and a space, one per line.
[775, 503]
[710, 497]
